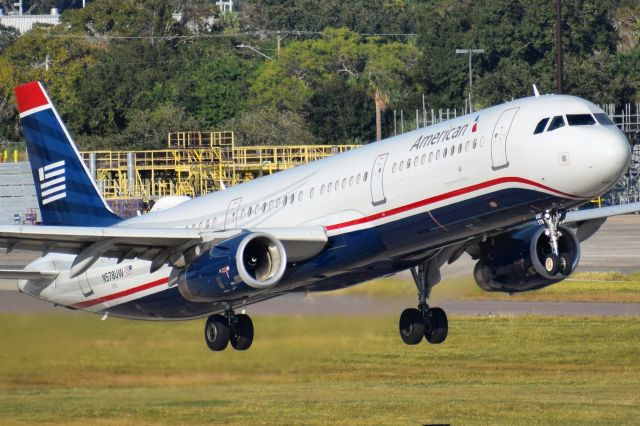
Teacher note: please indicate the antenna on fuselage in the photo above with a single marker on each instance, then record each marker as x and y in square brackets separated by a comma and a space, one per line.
[535, 91]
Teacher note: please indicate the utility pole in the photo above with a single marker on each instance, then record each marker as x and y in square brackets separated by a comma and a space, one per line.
[559, 66]
[278, 39]
[470, 52]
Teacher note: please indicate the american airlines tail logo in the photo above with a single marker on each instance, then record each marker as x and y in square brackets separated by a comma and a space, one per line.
[52, 186]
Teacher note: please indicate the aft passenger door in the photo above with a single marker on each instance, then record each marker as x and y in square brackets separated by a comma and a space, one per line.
[499, 139]
[232, 214]
[377, 180]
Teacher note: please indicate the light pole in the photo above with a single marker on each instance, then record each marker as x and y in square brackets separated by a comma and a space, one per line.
[470, 52]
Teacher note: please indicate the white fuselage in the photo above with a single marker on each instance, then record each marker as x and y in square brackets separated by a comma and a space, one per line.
[462, 175]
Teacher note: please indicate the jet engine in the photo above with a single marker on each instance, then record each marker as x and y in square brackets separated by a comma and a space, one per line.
[240, 265]
[520, 260]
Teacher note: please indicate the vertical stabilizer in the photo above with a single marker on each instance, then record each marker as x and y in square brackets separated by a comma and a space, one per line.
[66, 194]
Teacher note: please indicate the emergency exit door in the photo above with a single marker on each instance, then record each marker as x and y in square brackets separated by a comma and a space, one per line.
[377, 180]
[232, 214]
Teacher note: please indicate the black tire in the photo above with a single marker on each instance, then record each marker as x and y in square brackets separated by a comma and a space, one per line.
[565, 266]
[411, 326]
[216, 333]
[439, 329]
[551, 264]
[242, 335]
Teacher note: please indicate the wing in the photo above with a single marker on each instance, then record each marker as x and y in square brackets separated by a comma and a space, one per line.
[589, 221]
[158, 245]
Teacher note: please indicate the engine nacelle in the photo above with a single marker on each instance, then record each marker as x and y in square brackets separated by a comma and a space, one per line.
[237, 266]
[514, 262]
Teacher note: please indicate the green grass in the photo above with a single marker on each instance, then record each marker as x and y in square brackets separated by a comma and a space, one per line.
[319, 370]
[581, 287]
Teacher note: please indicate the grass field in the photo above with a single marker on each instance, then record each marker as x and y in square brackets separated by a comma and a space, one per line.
[581, 287]
[318, 370]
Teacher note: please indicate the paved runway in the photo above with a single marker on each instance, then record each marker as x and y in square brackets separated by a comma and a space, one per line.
[616, 247]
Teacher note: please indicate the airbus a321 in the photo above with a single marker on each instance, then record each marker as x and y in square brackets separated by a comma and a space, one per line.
[497, 184]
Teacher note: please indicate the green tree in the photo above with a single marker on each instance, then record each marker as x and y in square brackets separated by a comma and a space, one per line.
[382, 70]
[268, 126]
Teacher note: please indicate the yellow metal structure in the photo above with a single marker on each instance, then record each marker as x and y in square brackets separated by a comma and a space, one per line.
[195, 163]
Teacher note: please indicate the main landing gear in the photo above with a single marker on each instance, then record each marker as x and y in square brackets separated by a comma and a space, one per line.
[430, 323]
[222, 329]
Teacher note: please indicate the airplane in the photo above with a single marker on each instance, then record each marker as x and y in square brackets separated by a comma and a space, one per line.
[499, 184]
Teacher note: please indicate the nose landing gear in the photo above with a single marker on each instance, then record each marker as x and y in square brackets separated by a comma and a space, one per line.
[555, 261]
[424, 322]
[220, 330]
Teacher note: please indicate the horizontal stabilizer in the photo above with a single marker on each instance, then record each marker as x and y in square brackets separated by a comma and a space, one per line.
[19, 274]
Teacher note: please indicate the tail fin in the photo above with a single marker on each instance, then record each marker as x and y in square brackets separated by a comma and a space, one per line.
[66, 194]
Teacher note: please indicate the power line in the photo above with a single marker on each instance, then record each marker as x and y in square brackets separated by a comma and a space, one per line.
[200, 36]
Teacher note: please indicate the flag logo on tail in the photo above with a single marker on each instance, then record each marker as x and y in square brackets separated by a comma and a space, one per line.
[52, 182]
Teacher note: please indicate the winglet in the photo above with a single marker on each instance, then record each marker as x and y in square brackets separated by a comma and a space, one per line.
[31, 98]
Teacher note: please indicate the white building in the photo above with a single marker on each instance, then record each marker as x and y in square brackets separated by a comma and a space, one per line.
[225, 6]
[24, 23]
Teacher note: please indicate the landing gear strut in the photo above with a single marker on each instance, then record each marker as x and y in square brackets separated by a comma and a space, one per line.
[555, 261]
[430, 323]
[222, 329]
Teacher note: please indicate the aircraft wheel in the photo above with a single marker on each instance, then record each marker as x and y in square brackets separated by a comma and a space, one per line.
[411, 326]
[565, 264]
[551, 264]
[216, 333]
[242, 335]
[437, 332]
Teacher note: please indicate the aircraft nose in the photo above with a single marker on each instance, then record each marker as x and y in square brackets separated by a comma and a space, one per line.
[609, 161]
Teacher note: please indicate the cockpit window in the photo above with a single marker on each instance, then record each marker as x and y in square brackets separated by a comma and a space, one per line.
[556, 123]
[580, 120]
[541, 125]
[603, 119]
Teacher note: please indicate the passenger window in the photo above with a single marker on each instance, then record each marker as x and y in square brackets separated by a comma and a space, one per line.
[424, 159]
[438, 155]
[300, 196]
[249, 212]
[292, 198]
[603, 119]
[453, 150]
[466, 146]
[344, 183]
[311, 193]
[351, 181]
[556, 123]
[358, 179]
[364, 178]
[401, 165]
[580, 120]
[459, 148]
[408, 163]
[337, 185]
[394, 167]
[444, 152]
[541, 125]
[475, 143]
[430, 156]
[271, 205]
[329, 187]
[322, 189]
[284, 200]
[278, 203]
[264, 206]
[415, 161]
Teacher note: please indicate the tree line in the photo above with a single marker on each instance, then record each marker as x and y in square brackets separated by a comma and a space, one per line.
[124, 73]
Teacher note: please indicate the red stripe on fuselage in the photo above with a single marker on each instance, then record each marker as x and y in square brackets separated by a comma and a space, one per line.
[128, 292]
[30, 96]
[442, 197]
[397, 210]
